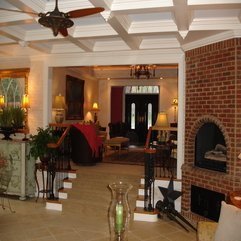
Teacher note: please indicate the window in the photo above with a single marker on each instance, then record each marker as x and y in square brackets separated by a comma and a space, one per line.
[142, 89]
[133, 116]
[149, 115]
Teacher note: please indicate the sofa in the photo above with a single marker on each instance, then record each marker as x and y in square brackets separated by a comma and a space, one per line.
[86, 145]
[228, 227]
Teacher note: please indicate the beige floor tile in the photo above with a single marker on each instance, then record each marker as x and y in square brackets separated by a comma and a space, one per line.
[84, 216]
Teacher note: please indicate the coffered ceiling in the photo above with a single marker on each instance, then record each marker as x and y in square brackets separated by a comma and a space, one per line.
[124, 25]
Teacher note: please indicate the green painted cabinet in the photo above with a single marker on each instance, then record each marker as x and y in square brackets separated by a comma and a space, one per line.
[23, 181]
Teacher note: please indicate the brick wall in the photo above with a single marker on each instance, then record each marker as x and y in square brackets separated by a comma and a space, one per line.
[213, 93]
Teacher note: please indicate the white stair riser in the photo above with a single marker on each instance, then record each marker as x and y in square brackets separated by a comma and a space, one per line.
[68, 185]
[141, 192]
[145, 217]
[139, 203]
[54, 206]
[72, 175]
[63, 195]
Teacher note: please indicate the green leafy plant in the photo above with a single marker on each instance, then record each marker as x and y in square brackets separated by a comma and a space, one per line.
[38, 143]
[12, 117]
[6, 118]
[18, 116]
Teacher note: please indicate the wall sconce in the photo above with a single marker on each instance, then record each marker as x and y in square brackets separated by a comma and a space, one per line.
[160, 125]
[95, 108]
[175, 104]
[2, 101]
[25, 106]
[59, 106]
[25, 102]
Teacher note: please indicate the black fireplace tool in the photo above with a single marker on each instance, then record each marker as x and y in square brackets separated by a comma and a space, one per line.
[167, 206]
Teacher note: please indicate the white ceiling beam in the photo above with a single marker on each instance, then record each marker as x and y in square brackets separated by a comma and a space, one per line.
[41, 48]
[208, 2]
[140, 4]
[132, 42]
[10, 36]
[81, 44]
[215, 24]
[18, 22]
[182, 20]
[106, 4]
[26, 5]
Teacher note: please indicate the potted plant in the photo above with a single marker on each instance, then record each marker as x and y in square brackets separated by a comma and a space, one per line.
[18, 117]
[38, 144]
[6, 118]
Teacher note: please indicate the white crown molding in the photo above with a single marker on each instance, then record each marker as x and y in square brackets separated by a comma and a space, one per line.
[153, 26]
[93, 31]
[139, 4]
[213, 39]
[206, 2]
[156, 43]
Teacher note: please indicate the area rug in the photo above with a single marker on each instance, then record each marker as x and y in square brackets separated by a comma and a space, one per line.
[132, 157]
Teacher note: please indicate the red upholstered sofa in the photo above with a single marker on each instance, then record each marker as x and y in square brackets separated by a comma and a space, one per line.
[86, 145]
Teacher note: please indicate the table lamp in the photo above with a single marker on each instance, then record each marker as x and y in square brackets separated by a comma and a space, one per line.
[161, 125]
[95, 108]
[59, 106]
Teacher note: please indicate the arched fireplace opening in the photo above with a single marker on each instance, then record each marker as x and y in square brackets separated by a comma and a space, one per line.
[210, 148]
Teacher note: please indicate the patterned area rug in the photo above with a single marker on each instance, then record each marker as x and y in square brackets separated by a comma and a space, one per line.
[131, 157]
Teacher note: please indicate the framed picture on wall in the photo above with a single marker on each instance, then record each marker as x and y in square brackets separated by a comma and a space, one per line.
[74, 98]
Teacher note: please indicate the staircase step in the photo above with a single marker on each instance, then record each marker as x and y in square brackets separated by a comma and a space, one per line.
[54, 205]
[67, 183]
[148, 216]
[141, 190]
[72, 174]
[140, 201]
[63, 193]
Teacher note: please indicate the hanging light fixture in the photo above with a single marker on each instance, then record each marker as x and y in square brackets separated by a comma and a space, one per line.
[143, 70]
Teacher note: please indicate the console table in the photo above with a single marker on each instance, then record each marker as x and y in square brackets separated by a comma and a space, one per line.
[22, 182]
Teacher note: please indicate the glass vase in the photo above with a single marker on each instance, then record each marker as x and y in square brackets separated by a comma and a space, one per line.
[119, 211]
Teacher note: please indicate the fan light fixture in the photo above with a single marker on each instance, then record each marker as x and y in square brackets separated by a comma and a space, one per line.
[143, 70]
[56, 23]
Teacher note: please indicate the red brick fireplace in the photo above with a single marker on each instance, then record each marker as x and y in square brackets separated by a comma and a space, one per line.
[213, 94]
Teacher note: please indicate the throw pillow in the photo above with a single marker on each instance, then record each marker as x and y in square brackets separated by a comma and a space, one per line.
[229, 224]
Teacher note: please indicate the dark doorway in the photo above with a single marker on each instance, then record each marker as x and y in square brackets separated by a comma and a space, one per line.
[140, 103]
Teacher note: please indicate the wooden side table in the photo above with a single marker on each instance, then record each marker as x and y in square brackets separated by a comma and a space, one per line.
[235, 198]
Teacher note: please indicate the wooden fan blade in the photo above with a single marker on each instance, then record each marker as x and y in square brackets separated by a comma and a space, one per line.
[17, 11]
[84, 12]
[64, 32]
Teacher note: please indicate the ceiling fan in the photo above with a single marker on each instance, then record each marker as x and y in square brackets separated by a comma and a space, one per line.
[58, 21]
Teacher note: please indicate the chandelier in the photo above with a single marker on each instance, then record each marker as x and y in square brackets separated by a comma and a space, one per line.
[142, 70]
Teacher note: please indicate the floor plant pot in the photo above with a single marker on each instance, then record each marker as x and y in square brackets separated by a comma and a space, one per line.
[119, 211]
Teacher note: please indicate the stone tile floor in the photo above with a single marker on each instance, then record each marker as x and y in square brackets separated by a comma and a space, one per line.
[84, 215]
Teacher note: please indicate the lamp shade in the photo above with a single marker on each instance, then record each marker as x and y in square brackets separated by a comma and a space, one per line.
[59, 102]
[95, 106]
[25, 101]
[161, 121]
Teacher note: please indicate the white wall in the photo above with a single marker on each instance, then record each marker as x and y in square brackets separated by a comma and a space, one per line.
[90, 89]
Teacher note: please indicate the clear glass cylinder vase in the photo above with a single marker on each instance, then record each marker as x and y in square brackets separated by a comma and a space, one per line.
[119, 211]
